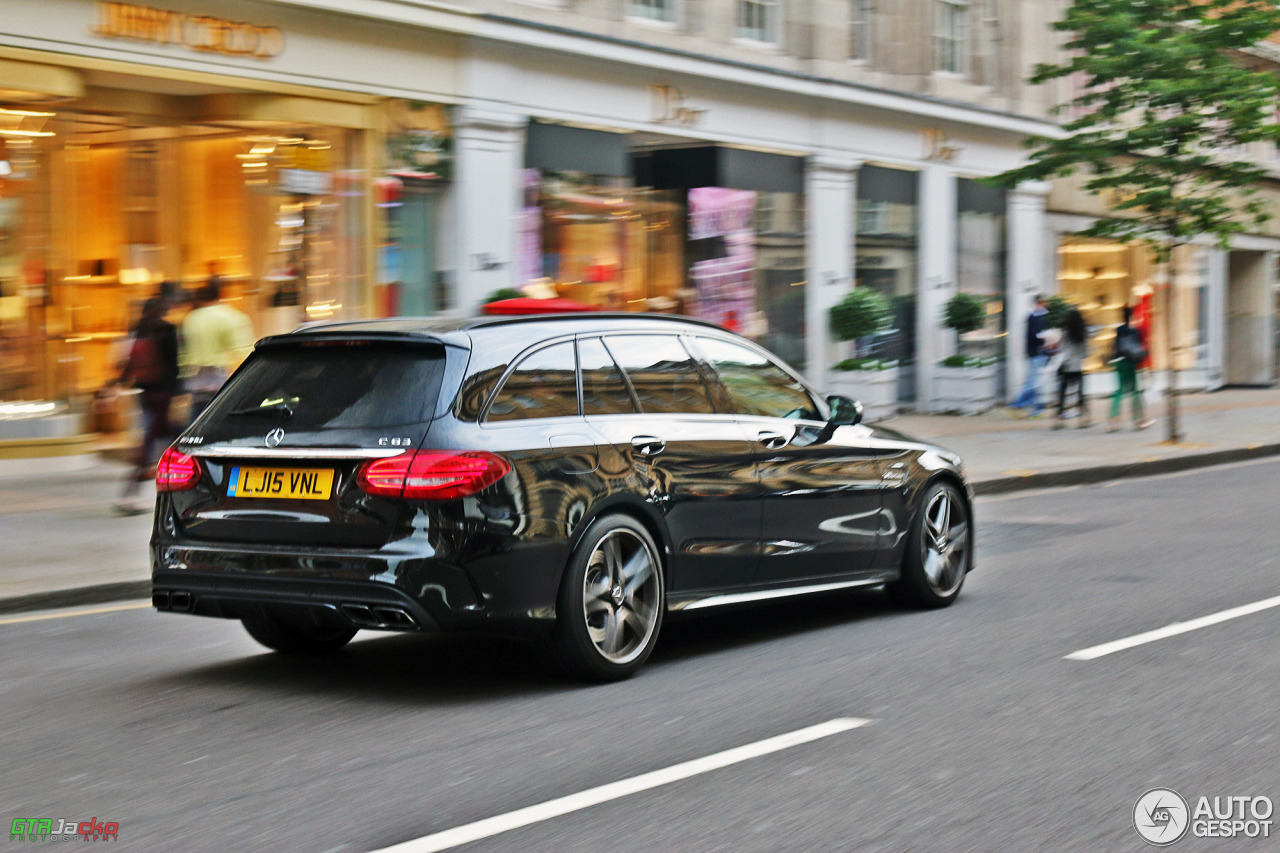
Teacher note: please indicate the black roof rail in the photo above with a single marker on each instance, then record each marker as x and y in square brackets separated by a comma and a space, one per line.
[588, 316]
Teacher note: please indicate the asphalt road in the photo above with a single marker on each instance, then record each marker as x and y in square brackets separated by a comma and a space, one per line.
[981, 734]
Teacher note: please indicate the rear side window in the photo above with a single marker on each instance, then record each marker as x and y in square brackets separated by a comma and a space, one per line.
[663, 374]
[756, 385]
[351, 386]
[604, 391]
[543, 385]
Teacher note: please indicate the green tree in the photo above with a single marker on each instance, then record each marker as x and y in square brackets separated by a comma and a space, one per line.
[1168, 94]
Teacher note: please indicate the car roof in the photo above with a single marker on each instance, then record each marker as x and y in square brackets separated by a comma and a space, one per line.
[461, 331]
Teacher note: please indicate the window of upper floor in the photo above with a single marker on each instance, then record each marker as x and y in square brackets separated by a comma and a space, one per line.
[860, 30]
[951, 36]
[757, 21]
[656, 11]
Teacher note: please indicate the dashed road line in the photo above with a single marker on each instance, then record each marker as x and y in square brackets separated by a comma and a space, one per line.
[1094, 652]
[594, 796]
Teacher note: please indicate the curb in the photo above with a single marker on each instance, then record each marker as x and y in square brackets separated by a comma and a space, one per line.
[141, 590]
[1122, 471]
[104, 593]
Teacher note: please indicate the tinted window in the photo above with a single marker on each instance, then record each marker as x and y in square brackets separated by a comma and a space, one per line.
[332, 387]
[664, 376]
[543, 385]
[756, 385]
[604, 391]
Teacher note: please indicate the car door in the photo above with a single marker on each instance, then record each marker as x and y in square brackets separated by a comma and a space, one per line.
[820, 487]
[693, 462]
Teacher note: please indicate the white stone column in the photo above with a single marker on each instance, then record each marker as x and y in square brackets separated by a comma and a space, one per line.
[831, 194]
[1216, 322]
[1029, 241]
[937, 283]
[489, 152]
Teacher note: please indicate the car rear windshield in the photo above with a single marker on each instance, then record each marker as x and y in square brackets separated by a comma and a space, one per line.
[349, 386]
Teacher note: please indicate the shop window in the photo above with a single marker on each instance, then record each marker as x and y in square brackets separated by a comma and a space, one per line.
[1101, 277]
[598, 241]
[981, 257]
[886, 258]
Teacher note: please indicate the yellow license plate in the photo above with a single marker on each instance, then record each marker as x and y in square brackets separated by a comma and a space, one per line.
[305, 483]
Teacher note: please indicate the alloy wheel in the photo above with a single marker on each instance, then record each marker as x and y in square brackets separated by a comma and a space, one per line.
[945, 542]
[621, 596]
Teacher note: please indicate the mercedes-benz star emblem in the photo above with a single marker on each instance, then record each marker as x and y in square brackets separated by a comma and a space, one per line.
[275, 437]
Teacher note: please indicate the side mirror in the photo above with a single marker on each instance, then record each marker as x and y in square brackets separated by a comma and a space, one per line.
[844, 412]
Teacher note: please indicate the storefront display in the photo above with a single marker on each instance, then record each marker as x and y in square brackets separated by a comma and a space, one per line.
[1101, 277]
[98, 206]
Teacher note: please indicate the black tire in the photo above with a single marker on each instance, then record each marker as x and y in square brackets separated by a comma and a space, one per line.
[939, 550]
[611, 603]
[297, 634]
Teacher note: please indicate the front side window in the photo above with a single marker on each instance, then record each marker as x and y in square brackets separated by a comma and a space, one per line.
[543, 385]
[665, 378]
[757, 20]
[950, 34]
[653, 10]
[756, 385]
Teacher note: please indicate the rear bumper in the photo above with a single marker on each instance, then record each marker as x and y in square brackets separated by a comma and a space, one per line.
[230, 596]
[496, 591]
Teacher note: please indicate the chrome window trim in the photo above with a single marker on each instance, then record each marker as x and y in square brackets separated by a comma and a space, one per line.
[226, 451]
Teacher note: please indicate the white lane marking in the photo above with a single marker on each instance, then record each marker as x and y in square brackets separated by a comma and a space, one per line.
[14, 620]
[594, 796]
[1174, 629]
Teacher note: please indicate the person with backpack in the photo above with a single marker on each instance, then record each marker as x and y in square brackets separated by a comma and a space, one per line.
[1130, 352]
[1074, 349]
[152, 368]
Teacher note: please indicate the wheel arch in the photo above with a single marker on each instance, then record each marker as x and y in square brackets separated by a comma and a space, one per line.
[954, 479]
[638, 510]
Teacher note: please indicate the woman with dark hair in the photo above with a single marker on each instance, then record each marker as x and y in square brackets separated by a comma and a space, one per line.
[1130, 352]
[152, 367]
[1071, 371]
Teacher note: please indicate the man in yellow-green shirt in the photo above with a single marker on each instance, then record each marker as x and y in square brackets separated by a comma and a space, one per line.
[216, 338]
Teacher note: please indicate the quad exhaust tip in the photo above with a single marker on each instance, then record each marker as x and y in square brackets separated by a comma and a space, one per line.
[381, 618]
[178, 600]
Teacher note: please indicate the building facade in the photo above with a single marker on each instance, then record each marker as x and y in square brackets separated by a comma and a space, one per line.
[747, 161]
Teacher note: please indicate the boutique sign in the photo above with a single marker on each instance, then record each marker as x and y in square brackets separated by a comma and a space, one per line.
[204, 33]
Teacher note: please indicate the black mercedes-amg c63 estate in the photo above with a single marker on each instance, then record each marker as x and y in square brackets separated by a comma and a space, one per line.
[572, 478]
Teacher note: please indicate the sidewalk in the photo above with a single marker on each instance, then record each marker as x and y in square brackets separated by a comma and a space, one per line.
[63, 544]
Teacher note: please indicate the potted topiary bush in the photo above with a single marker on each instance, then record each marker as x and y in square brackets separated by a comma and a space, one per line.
[965, 383]
[866, 376]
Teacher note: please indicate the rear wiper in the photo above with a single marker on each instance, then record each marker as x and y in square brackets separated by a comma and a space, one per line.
[277, 408]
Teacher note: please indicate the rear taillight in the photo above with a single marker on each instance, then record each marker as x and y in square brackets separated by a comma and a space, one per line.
[176, 472]
[433, 474]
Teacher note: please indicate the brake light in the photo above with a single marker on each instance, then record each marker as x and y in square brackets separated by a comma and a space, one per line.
[433, 474]
[176, 472]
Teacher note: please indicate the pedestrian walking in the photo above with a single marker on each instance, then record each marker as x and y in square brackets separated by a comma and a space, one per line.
[1130, 352]
[1037, 357]
[216, 338]
[152, 368]
[1073, 350]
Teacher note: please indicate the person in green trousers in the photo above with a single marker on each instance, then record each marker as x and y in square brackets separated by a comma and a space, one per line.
[1130, 352]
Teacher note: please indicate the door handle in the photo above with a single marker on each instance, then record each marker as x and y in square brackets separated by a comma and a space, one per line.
[773, 440]
[648, 445]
